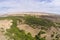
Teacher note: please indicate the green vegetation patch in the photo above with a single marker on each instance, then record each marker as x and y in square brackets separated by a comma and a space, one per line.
[35, 21]
[17, 34]
[38, 37]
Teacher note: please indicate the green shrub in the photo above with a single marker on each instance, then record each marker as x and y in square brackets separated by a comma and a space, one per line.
[17, 34]
[35, 21]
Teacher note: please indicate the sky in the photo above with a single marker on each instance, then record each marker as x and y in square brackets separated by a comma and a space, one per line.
[50, 6]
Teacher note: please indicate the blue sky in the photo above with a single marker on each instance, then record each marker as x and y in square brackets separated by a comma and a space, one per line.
[51, 6]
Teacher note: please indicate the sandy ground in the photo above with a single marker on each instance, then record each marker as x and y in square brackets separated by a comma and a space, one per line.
[50, 32]
[2, 37]
[4, 24]
[28, 29]
[34, 32]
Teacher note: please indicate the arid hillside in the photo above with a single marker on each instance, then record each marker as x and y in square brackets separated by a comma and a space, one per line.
[30, 26]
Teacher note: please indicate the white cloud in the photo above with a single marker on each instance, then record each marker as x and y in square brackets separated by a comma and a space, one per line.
[30, 5]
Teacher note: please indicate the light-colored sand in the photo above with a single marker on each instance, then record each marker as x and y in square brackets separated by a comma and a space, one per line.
[2, 37]
[50, 32]
[36, 31]
[4, 24]
[28, 29]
